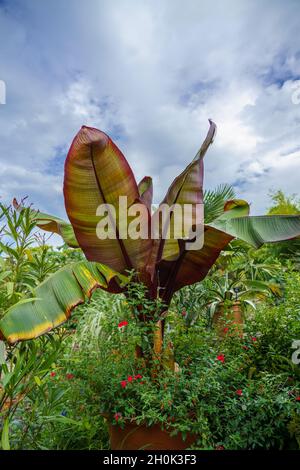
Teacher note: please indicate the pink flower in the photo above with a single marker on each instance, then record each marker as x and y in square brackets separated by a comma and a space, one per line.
[221, 358]
[254, 339]
[123, 383]
[122, 323]
[129, 378]
[138, 376]
[239, 392]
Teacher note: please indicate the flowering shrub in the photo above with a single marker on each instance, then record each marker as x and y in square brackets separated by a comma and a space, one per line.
[222, 391]
[234, 393]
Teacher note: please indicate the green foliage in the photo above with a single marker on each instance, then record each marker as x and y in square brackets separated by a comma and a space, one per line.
[25, 260]
[283, 204]
[214, 201]
[238, 392]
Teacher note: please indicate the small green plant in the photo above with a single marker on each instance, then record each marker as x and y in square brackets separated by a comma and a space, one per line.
[24, 262]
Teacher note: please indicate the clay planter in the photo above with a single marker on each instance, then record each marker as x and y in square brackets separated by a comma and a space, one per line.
[135, 437]
[230, 318]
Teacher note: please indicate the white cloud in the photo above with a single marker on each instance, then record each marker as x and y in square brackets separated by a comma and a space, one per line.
[151, 73]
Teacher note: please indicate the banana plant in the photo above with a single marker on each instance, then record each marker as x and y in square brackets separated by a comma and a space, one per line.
[96, 172]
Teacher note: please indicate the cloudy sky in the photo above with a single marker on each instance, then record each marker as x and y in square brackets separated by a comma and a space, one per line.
[150, 74]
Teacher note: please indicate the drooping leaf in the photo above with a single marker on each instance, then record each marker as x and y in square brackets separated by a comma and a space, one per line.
[193, 265]
[51, 223]
[97, 173]
[257, 230]
[55, 298]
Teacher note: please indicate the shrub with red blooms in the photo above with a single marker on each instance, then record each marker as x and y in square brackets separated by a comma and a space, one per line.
[221, 358]
[118, 416]
[130, 379]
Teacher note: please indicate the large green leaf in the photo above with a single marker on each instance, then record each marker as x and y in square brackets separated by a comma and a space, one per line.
[55, 298]
[51, 223]
[258, 230]
[97, 173]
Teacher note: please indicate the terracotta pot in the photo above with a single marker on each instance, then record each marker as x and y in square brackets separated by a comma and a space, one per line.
[134, 437]
[232, 319]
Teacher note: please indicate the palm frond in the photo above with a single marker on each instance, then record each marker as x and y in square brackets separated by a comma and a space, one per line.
[215, 199]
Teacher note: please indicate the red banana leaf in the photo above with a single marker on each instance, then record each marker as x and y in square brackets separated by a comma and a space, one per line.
[187, 188]
[96, 172]
[193, 265]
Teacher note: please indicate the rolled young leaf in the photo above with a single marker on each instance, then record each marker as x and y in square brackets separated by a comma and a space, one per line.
[55, 298]
[145, 187]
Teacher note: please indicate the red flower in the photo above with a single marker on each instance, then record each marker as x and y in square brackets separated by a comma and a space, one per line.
[226, 329]
[221, 358]
[245, 347]
[297, 398]
[254, 339]
[123, 383]
[130, 378]
[122, 323]
[138, 376]
[118, 416]
[239, 392]
[220, 448]
[183, 313]
[70, 376]
[52, 374]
